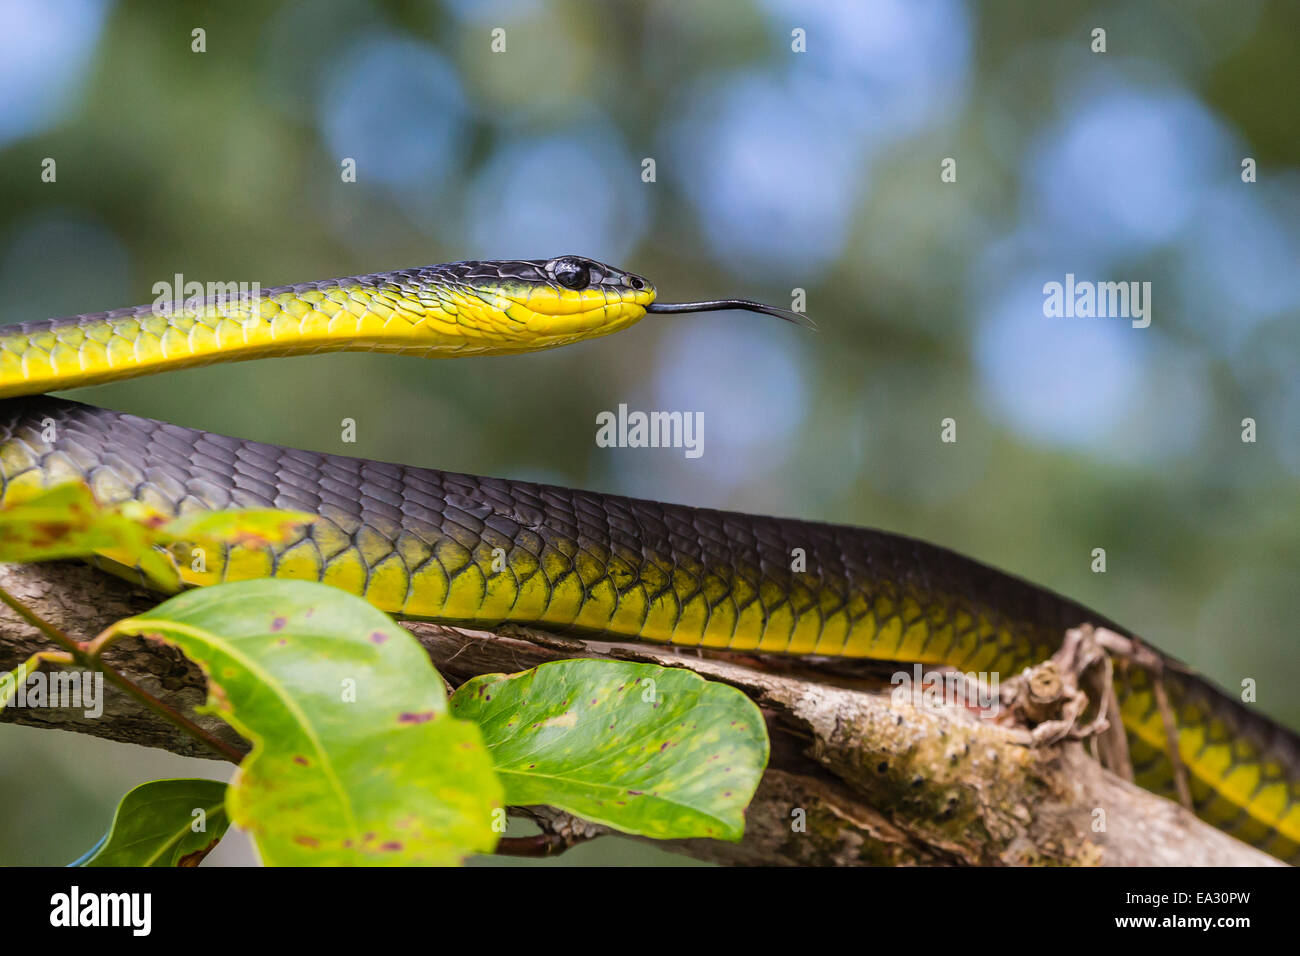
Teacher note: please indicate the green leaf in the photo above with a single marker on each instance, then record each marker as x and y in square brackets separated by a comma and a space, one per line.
[655, 751]
[154, 825]
[67, 522]
[355, 759]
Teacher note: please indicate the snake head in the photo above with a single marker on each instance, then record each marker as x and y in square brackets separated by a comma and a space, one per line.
[551, 302]
[522, 305]
[605, 299]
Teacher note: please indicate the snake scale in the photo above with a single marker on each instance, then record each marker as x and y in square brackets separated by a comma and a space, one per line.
[482, 551]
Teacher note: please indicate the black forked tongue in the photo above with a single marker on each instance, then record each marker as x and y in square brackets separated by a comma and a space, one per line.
[723, 305]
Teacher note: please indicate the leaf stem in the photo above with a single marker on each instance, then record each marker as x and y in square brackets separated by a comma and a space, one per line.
[45, 627]
[169, 713]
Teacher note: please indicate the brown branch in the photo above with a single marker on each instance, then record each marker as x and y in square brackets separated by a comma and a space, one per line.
[855, 778]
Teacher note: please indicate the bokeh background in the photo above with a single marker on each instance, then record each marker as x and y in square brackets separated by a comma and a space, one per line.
[775, 170]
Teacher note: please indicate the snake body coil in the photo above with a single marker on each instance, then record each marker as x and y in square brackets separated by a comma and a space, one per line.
[428, 544]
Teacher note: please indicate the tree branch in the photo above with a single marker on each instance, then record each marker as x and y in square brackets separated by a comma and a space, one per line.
[856, 777]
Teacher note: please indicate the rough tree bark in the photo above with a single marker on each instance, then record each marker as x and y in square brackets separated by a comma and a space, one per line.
[856, 777]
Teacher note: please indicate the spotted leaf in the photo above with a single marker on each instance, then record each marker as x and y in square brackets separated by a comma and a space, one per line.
[654, 751]
[355, 757]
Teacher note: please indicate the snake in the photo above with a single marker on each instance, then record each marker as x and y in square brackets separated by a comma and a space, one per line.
[484, 552]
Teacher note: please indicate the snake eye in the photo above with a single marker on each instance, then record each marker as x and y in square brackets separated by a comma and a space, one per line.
[572, 273]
